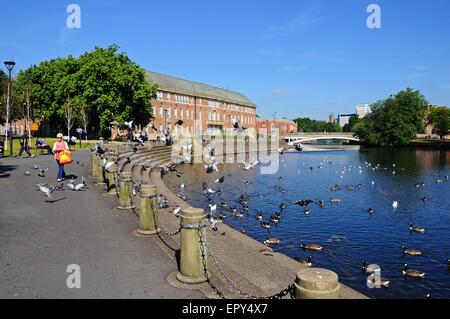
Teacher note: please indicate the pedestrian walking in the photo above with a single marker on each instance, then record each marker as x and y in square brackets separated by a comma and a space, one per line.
[24, 147]
[59, 147]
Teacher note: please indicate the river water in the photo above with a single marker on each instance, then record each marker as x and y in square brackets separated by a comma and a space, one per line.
[346, 230]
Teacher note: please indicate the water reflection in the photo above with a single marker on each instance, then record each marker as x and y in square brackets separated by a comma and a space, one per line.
[346, 230]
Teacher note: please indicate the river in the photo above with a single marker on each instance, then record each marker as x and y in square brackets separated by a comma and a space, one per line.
[347, 231]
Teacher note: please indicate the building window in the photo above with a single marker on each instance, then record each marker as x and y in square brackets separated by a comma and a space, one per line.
[168, 96]
[175, 113]
[160, 112]
[181, 114]
[187, 115]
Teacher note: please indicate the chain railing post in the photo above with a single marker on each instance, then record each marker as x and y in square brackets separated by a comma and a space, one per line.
[193, 251]
[148, 222]
[111, 180]
[316, 283]
[100, 171]
[125, 192]
[93, 166]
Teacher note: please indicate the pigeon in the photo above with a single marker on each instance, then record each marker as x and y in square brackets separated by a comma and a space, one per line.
[27, 173]
[182, 185]
[42, 172]
[47, 190]
[211, 168]
[248, 166]
[129, 124]
[81, 164]
[211, 191]
[177, 211]
[107, 165]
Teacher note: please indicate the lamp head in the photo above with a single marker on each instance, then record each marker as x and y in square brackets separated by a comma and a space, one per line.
[9, 65]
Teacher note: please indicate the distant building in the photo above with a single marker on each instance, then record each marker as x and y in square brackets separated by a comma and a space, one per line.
[216, 109]
[344, 119]
[429, 127]
[362, 110]
[271, 125]
[331, 118]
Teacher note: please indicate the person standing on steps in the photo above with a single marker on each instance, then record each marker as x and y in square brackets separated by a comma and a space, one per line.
[59, 147]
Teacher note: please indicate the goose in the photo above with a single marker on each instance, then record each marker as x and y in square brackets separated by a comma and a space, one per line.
[238, 214]
[303, 202]
[306, 210]
[321, 203]
[223, 204]
[220, 179]
[265, 225]
[271, 241]
[439, 181]
[365, 267]
[370, 210]
[222, 215]
[424, 199]
[306, 262]
[415, 229]
[411, 252]
[412, 272]
[282, 206]
[259, 216]
[315, 247]
[384, 282]
[274, 219]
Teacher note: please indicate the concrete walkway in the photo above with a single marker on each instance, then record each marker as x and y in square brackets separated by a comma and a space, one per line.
[38, 240]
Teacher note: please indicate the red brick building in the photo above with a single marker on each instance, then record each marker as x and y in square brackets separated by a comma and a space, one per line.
[214, 109]
[270, 125]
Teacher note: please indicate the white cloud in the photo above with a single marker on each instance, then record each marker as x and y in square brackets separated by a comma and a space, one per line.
[303, 19]
[278, 91]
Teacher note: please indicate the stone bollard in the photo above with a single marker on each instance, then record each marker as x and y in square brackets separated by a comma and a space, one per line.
[125, 191]
[93, 167]
[111, 181]
[148, 220]
[191, 261]
[100, 172]
[316, 283]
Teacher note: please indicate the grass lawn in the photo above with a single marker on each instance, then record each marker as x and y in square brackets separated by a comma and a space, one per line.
[48, 140]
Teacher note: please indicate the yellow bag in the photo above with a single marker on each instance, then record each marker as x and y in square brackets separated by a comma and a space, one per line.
[65, 158]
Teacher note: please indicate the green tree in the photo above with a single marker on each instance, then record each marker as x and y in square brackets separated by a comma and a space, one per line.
[3, 90]
[440, 118]
[351, 125]
[308, 125]
[108, 83]
[394, 121]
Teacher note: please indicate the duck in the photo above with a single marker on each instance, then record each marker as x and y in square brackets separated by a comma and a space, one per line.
[321, 203]
[282, 206]
[306, 262]
[315, 247]
[439, 181]
[335, 200]
[395, 204]
[365, 267]
[259, 215]
[370, 210]
[416, 229]
[412, 272]
[424, 199]
[271, 241]
[411, 252]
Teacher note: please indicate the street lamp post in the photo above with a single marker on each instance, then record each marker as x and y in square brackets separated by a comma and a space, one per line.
[9, 65]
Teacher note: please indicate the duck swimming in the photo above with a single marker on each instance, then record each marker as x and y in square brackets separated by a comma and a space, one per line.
[314, 247]
[411, 252]
[306, 262]
[412, 272]
[335, 200]
[271, 241]
[259, 215]
[415, 229]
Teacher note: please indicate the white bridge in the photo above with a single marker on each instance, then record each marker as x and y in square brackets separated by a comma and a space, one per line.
[297, 138]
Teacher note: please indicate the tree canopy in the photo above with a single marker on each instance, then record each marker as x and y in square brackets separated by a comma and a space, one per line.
[308, 125]
[395, 120]
[440, 118]
[104, 83]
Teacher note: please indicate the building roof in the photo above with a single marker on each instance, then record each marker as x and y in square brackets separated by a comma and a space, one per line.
[275, 120]
[181, 86]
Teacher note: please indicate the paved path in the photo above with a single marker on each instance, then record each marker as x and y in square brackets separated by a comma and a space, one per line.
[38, 240]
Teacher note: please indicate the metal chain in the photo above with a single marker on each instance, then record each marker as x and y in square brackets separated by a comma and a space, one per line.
[289, 290]
[201, 234]
[152, 204]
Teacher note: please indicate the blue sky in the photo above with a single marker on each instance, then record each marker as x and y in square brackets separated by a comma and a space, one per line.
[296, 58]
